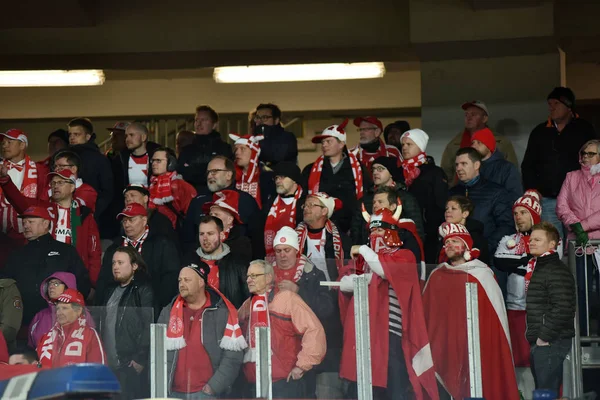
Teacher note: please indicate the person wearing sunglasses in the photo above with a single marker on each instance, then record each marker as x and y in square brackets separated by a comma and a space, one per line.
[578, 208]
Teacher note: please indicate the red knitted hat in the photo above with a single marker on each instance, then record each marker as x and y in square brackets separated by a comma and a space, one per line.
[448, 230]
[531, 201]
[486, 137]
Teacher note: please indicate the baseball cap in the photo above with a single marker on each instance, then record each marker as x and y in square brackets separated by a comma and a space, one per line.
[336, 131]
[66, 174]
[71, 296]
[36, 212]
[132, 210]
[137, 187]
[119, 126]
[370, 120]
[16, 134]
[478, 104]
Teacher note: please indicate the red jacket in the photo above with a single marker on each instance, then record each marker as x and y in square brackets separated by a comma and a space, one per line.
[87, 236]
[183, 194]
[71, 344]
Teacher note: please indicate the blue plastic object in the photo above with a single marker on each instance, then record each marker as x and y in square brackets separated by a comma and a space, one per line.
[544, 394]
[92, 379]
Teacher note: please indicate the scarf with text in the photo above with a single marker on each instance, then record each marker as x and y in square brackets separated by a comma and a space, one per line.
[531, 267]
[49, 341]
[29, 189]
[275, 221]
[410, 167]
[248, 181]
[314, 178]
[519, 244]
[160, 189]
[259, 318]
[71, 223]
[300, 263]
[136, 244]
[330, 228]
[232, 339]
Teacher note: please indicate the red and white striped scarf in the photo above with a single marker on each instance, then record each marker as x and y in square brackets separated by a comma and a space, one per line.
[314, 178]
[160, 189]
[259, 317]
[275, 221]
[9, 220]
[49, 342]
[249, 181]
[531, 267]
[330, 228]
[232, 339]
[383, 151]
[136, 244]
[410, 167]
[300, 263]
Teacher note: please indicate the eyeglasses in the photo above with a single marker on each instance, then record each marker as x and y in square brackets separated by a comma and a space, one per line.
[379, 169]
[59, 183]
[215, 171]
[262, 118]
[311, 206]
[253, 276]
[55, 283]
[157, 160]
[589, 154]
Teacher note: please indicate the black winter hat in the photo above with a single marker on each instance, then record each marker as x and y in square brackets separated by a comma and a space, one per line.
[390, 163]
[401, 125]
[61, 134]
[288, 169]
[564, 95]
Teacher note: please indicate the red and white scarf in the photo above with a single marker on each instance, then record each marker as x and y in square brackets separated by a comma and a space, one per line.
[410, 167]
[531, 267]
[49, 345]
[136, 244]
[248, 181]
[367, 158]
[519, 244]
[275, 222]
[314, 178]
[300, 263]
[232, 339]
[330, 228]
[259, 317]
[29, 188]
[161, 191]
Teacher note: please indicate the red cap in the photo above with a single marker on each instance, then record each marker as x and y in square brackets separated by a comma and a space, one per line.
[36, 212]
[228, 200]
[71, 296]
[132, 210]
[485, 136]
[370, 120]
[119, 127]
[16, 134]
[66, 174]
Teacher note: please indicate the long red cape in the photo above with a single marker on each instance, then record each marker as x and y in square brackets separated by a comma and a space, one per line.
[400, 272]
[446, 314]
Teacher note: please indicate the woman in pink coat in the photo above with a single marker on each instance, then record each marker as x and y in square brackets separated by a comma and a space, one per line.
[578, 207]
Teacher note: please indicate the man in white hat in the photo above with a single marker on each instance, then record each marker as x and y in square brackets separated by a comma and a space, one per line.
[294, 272]
[428, 183]
[338, 173]
[319, 238]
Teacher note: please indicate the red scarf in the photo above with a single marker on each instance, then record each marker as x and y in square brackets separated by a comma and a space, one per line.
[531, 267]
[367, 158]
[232, 339]
[410, 167]
[29, 188]
[275, 221]
[136, 244]
[521, 244]
[299, 269]
[249, 181]
[302, 231]
[160, 187]
[314, 178]
[49, 341]
[259, 317]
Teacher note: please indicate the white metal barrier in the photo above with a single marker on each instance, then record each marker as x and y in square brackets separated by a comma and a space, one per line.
[472, 301]
[264, 381]
[158, 361]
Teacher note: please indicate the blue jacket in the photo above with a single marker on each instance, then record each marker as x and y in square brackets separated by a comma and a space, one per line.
[493, 208]
[498, 170]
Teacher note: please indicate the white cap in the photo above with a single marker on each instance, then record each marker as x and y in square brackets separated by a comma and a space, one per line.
[286, 236]
[331, 203]
[336, 131]
[418, 136]
[476, 103]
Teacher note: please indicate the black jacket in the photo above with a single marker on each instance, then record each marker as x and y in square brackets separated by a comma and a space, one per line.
[550, 155]
[410, 210]
[493, 209]
[96, 172]
[550, 301]
[249, 213]
[341, 186]
[194, 158]
[135, 313]
[278, 145]
[36, 261]
[232, 276]
[431, 191]
[163, 262]
[475, 228]
[240, 244]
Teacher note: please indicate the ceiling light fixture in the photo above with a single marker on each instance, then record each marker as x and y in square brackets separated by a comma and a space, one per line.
[299, 72]
[91, 77]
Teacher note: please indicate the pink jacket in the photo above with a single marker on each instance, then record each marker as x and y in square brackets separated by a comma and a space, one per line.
[579, 201]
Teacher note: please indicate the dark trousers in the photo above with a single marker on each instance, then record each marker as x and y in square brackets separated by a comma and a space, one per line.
[593, 291]
[294, 389]
[398, 383]
[133, 385]
[547, 364]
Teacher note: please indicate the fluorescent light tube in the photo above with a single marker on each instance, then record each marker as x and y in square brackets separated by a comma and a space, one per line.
[91, 77]
[299, 72]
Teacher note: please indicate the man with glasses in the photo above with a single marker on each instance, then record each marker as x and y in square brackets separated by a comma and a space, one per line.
[72, 222]
[278, 144]
[220, 175]
[553, 150]
[298, 338]
[193, 160]
[159, 252]
[370, 145]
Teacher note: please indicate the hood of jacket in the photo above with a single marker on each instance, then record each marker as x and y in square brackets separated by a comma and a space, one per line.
[496, 156]
[66, 277]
